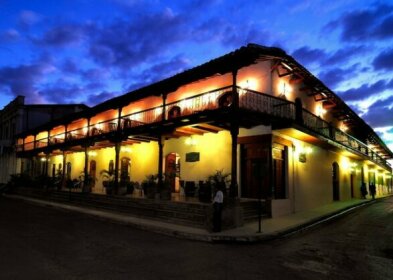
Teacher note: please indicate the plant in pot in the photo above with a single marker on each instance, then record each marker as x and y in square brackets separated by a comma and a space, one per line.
[166, 190]
[108, 180]
[149, 186]
[88, 183]
[125, 185]
[219, 179]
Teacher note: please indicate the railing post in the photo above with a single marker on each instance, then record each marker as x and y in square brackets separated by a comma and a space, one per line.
[163, 117]
[119, 120]
[88, 128]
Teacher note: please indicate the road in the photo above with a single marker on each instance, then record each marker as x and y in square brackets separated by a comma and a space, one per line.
[38, 242]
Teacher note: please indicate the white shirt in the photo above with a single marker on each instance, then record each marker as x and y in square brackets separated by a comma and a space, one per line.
[219, 197]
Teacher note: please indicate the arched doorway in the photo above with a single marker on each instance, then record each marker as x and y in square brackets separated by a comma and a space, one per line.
[172, 171]
[336, 181]
[125, 169]
[92, 172]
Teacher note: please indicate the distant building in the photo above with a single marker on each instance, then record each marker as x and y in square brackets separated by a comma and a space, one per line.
[17, 117]
[255, 113]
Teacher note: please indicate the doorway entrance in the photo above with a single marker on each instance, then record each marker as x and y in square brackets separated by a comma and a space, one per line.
[172, 171]
[336, 181]
[255, 171]
[92, 172]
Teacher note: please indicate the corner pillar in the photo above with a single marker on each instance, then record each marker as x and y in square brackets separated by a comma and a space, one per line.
[161, 141]
[117, 158]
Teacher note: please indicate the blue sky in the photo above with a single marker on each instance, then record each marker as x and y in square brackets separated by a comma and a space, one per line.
[86, 51]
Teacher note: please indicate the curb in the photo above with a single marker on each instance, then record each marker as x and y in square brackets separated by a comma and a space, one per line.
[184, 232]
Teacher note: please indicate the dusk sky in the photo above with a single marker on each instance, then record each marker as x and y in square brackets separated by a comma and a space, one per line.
[87, 51]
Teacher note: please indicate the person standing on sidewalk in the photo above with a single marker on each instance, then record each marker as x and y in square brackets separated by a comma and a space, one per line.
[217, 209]
[372, 190]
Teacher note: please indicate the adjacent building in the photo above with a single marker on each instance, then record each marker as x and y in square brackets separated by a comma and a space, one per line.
[255, 113]
[17, 117]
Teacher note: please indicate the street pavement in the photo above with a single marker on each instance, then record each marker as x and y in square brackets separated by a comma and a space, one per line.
[55, 243]
[270, 228]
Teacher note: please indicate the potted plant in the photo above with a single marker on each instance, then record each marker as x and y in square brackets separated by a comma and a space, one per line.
[149, 186]
[219, 179]
[166, 190]
[108, 180]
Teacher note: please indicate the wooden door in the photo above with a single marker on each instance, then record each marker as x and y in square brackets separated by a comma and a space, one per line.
[92, 172]
[170, 170]
[255, 170]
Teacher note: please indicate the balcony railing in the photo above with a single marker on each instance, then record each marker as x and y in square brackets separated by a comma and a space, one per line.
[322, 127]
[248, 99]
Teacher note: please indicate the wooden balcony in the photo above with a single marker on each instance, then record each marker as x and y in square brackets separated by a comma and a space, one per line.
[259, 105]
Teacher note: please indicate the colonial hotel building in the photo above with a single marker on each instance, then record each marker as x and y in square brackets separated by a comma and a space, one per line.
[255, 113]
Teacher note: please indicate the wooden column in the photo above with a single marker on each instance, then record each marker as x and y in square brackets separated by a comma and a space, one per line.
[85, 170]
[64, 168]
[161, 141]
[119, 120]
[164, 107]
[117, 151]
[233, 191]
[47, 165]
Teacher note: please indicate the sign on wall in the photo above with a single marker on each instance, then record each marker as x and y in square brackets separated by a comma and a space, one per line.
[192, 157]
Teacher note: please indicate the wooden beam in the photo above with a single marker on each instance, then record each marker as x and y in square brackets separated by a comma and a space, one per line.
[208, 127]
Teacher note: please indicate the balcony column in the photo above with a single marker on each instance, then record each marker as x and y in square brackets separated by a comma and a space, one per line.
[48, 141]
[46, 165]
[233, 190]
[63, 179]
[119, 120]
[164, 96]
[65, 133]
[85, 170]
[161, 141]
[117, 157]
[88, 128]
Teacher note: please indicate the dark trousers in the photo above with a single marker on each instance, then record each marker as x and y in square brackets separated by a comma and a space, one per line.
[217, 210]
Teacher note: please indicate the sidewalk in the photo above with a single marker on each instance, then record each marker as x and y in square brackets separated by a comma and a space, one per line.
[270, 228]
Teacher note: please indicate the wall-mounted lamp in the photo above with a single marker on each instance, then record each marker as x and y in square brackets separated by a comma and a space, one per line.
[126, 150]
[285, 90]
[43, 159]
[191, 141]
[303, 152]
[320, 110]
[92, 153]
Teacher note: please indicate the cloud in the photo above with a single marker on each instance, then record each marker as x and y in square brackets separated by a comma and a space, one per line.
[94, 99]
[128, 43]
[10, 35]
[366, 90]
[61, 92]
[62, 35]
[333, 76]
[384, 60]
[307, 55]
[158, 72]
[379, 114]
[23, 79]
[364, 24]
[28, 18]
[69, 66]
